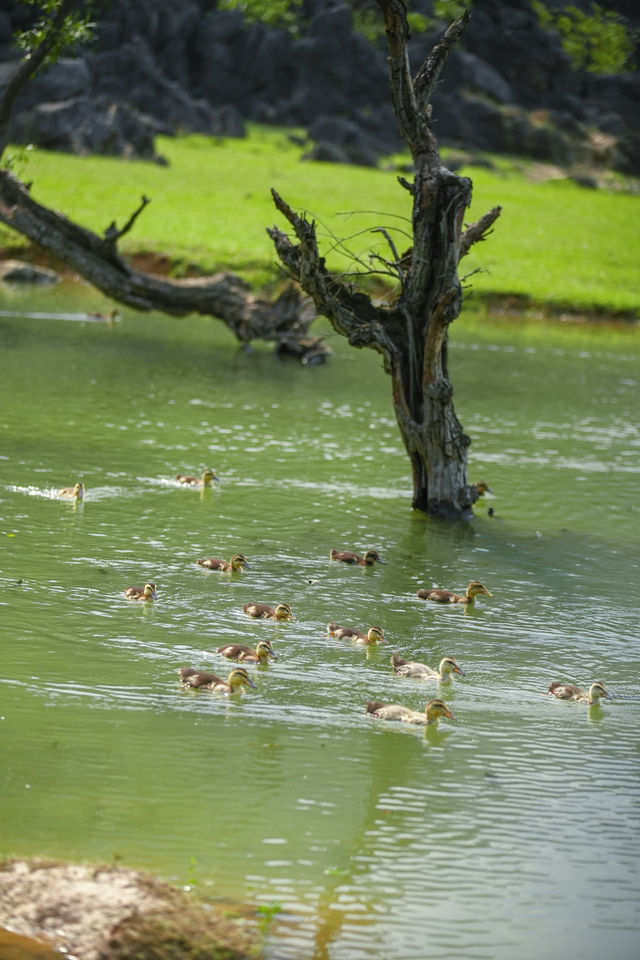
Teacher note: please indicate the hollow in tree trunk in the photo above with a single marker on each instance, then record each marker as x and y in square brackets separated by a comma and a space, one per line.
[411, 334]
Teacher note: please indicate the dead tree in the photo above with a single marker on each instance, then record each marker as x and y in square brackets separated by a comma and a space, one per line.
[412, 333]
[284, 321]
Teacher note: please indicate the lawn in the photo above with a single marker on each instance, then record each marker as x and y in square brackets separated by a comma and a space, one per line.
[555, 242]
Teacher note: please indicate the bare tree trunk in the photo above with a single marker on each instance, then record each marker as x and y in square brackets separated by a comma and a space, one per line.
[412, 335]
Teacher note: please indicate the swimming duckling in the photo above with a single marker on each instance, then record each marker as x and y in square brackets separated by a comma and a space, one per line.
[74, 493]
[148, 592]
[408, 668]
[263, 611]
[240, 651]
[199, 679]
[447, 596]
[111, 316]
[236, 563]
[395, 711]
[368, 560]
[203, 481]
[569, 691]
[483, 488]
[374, 634]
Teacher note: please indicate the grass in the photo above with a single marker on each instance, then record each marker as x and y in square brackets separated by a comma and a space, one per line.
[555, 242]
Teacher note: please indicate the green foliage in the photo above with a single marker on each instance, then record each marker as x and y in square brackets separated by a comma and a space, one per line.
[77, 28]
[598, 42]
[16, 160]
[450, 10]
[275, 13]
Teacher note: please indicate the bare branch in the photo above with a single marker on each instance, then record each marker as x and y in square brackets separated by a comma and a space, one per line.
[429, 73]
[402, 92]
[112, 234]
[478, 231]
[29, 66]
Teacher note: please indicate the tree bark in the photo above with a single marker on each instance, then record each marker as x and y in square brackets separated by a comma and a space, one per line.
[412, 334]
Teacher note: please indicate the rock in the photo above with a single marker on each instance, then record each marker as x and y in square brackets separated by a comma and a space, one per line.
[110, 913]
[16, 271]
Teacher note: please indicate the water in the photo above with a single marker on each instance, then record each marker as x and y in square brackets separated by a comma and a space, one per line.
[510, 830]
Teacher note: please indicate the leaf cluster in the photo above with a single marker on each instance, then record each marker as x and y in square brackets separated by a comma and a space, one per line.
[598, 42]
[77, 28]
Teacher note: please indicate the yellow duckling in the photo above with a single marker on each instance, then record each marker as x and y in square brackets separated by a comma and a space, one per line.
[569, 691]
[447, 596]
[420, 671]
[262, 611]
[148, 592]
[204, 481]
[72, 493]
[395, 711]
[240, 651]
[234, 565]
[200, 680]
[371, 637]
[368, 560]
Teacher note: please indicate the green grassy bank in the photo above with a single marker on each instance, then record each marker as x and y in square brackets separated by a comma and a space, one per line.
[556, 242]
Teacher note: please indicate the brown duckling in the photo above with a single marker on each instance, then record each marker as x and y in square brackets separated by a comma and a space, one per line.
[199, 680]
[148, 592]
[447, 596]
[236, 563]
[395, 711]
[482, 488]
[371, 637]
[204, 481]
[72, 493]
[262, 611]
[368, 560]
[240, 651]
[569, 691]
[420, 671]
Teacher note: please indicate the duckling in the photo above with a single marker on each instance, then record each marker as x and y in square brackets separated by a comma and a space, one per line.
[569, 691]
[409, 668]
[112, 315]
[374, 634]
[483, 488]
[263, 611]
[73, 493]
[203, 481]
[447, 596]
[199, 679]
[148, 592]
[240, 651]
[368, 560]
[236, 563]
[395, 711]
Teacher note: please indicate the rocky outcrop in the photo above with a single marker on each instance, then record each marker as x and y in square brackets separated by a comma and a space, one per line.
[111, 913]
[158, 66]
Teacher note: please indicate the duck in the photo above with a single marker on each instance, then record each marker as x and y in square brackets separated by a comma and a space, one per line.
[148, 592]
[482, 488]
[203, 481]
[240, 651]
[396, 711]
[236, 563]
[72, 493]
[409, 668]
[262, 611]
[371, 637]
[111, 316]
[448, 596]
[569, 691]
[345, 556]
[200, 679]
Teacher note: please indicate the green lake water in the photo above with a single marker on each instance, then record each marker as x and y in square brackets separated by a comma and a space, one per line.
[511, 831]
